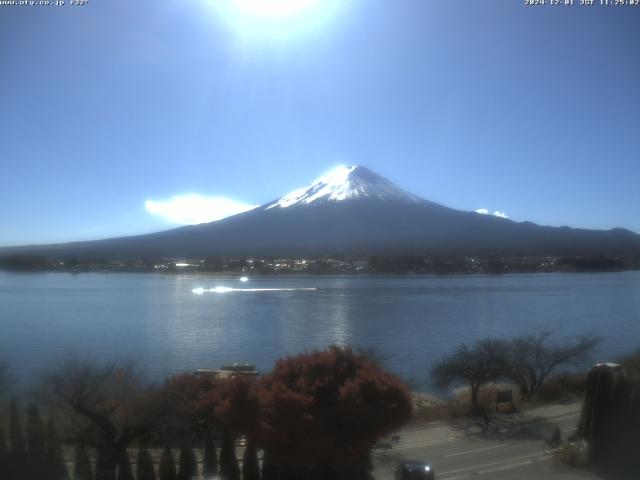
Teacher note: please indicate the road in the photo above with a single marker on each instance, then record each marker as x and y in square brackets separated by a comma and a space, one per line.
[510, 446]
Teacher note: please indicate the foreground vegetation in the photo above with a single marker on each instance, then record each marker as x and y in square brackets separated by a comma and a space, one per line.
[315, 416]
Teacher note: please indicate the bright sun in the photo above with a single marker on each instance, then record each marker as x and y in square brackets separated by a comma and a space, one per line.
[274, 17]
[274, 9]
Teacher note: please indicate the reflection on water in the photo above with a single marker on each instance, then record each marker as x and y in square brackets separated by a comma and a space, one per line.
[183, 322]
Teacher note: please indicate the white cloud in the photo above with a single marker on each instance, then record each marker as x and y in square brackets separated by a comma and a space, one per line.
[497, 213]
[192, 209]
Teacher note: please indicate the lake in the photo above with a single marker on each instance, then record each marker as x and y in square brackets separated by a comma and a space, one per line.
[410, 320]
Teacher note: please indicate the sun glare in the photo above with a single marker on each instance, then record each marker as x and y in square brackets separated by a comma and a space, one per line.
[274, 17]
[274, 9]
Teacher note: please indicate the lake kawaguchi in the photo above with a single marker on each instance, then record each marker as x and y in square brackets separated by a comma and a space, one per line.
[412, 320]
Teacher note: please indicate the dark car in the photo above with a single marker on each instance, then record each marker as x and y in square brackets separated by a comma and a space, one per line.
[415, 471]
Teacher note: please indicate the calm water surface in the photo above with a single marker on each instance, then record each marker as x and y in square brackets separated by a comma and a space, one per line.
[159, 321]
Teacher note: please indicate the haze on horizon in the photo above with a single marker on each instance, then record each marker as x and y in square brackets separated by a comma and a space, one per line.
[209, 108]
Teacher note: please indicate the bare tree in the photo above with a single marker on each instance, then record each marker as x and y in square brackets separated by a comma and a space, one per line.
[107, 406]
[532, 359]
[484, 362]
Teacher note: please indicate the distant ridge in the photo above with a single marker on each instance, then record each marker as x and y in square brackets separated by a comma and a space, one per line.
[353, 211]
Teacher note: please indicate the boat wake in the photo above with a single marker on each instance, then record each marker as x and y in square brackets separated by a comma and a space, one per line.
[202, 291]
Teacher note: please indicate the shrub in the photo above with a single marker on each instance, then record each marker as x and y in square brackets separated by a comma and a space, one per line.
[188, 463]
[210, 458]
[55, 458]
[167, 470]
[427, 408]
[460, 404]
[229, 468]
[82, 470]
[145, 465]
[4, 454]
[572, 455]
[124, 468]
[250, 465]
[566, 387]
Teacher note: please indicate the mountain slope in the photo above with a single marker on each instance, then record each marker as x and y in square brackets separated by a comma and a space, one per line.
[354, 211]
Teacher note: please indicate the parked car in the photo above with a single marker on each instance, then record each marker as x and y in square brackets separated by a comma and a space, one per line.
[415, 471]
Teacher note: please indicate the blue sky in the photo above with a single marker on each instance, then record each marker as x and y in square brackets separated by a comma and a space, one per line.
[533, 111]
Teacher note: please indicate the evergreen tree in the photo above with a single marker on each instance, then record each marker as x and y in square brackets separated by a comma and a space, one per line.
[210, 458]
[37, 450]
[167, 470]
[229, 469]
[17, 458]
[124, 468]
[103, 470]
[144, 469]
[4, 450]
[4, 456]
[269, 469]
[250, 466]
[16, 438]
[188, 463]
[55, 458]
[82, 465]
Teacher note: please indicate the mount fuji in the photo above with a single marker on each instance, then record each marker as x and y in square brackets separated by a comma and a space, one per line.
[353, 211]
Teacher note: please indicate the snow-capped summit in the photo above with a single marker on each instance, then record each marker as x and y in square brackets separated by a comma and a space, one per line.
[342, 183]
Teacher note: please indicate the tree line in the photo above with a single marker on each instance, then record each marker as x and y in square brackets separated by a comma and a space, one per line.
[317, 415]
[38, 455]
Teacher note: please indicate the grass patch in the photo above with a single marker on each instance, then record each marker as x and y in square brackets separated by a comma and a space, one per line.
[428, 408]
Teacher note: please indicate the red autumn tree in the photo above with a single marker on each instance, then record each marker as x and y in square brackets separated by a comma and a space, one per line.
[199, 401]
[236, 405]
[184, 396]
[322, 412]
